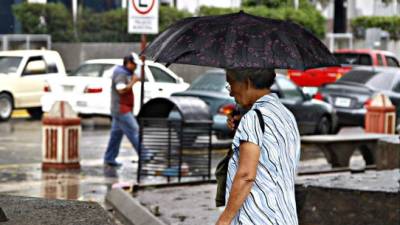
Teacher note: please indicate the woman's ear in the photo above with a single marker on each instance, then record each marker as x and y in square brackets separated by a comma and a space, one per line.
[248, 84]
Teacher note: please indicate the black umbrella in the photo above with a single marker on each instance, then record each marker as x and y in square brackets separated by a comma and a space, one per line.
[239, 40]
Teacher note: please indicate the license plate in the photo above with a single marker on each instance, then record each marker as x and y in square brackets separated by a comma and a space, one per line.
[68, 88]
[81, 104]
[342, 102]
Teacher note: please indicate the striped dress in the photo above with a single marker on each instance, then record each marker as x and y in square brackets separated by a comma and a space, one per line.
[271, 199]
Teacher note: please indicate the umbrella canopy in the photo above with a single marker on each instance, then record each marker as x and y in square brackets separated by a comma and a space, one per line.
[239, 40]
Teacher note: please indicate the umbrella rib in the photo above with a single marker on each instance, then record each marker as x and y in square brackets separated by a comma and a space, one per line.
[172, 36]
[227, 35]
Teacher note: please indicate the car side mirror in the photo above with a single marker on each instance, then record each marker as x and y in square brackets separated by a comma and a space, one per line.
[35, 67]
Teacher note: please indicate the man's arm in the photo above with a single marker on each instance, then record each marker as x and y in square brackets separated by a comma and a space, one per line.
[242, 182]
[124, 88]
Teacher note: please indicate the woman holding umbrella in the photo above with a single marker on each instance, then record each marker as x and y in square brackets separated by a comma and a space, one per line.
[266, 150]
[266, 146]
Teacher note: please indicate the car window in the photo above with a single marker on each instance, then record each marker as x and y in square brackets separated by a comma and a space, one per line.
[35, 60]
[107, 70]
[396, 87]
[51, 64]
[380, 59]
[289, 89]
[88, 70]
[275, 89]
[353, 58]
[161, 76]
[381, 81]
[209, 82]
[9, 64]
[357, 76]
[392, 61]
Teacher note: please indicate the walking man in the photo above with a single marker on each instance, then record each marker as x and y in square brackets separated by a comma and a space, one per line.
[123, 121]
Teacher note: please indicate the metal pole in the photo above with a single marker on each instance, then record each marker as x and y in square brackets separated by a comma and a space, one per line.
[28, 42]
[74, 11]
[143, 58]
[209, 150]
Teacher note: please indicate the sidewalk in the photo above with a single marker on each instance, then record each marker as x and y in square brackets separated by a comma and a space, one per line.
[193, 205]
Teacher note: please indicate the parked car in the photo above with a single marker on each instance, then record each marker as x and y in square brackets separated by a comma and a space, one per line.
[348, 59]
[88, 88]
[22, 78]
[353, 92]
[313, 116]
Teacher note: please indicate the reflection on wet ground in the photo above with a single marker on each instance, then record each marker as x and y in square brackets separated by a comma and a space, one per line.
[90, 183]
[21, 173]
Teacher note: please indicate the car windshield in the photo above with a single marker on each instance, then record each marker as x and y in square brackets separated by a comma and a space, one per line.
[353, 58]
[373, 79]
[88, 70]
[209, 82]
[9, 64]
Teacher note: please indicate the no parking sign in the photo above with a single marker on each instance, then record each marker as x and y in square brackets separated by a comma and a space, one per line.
[143, 16]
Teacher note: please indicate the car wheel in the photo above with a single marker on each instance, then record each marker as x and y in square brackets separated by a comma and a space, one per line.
[6, 106]
[35, 113]
[323, 126]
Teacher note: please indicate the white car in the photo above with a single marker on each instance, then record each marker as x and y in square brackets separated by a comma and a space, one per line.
[88, 88]
[22, 77]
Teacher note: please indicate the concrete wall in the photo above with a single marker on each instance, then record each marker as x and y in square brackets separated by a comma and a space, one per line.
[74, 54]
[334, 206]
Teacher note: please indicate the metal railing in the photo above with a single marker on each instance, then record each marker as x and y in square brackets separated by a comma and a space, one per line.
[28, 39]
[175, 150]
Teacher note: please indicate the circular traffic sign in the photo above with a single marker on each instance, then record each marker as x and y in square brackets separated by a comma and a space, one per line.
[141, 7]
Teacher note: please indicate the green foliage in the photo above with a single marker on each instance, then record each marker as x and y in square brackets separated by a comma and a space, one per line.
[275, 3]
[306, 16]
[390, 24]
[169, 15]
[109, 26]
[112, 26]
[53, 19]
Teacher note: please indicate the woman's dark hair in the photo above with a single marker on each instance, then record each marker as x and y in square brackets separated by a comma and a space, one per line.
[260, 78]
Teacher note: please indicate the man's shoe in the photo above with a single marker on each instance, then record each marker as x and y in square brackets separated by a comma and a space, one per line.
[113, 164]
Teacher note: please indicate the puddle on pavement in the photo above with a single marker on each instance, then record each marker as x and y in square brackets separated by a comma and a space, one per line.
[91, 183]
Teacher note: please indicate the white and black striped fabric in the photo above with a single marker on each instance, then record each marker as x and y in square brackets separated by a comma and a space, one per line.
[272, 199]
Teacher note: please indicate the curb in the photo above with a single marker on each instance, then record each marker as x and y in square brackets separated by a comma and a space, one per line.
[129, 209]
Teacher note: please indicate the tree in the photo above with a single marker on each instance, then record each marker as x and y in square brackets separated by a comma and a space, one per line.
[51, 18]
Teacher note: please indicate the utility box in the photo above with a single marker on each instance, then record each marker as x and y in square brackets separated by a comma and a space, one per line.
[61, 136]
[380, 116]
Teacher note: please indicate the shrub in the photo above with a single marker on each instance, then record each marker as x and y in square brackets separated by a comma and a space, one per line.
[112, 26]
[306, 16]
[51, 18]
[109, 26]
[390, 24]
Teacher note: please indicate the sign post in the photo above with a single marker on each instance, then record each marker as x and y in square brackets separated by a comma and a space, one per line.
[142, 19]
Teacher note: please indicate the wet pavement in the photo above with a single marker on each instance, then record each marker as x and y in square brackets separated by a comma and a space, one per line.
[21, 155]
[21, 173]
